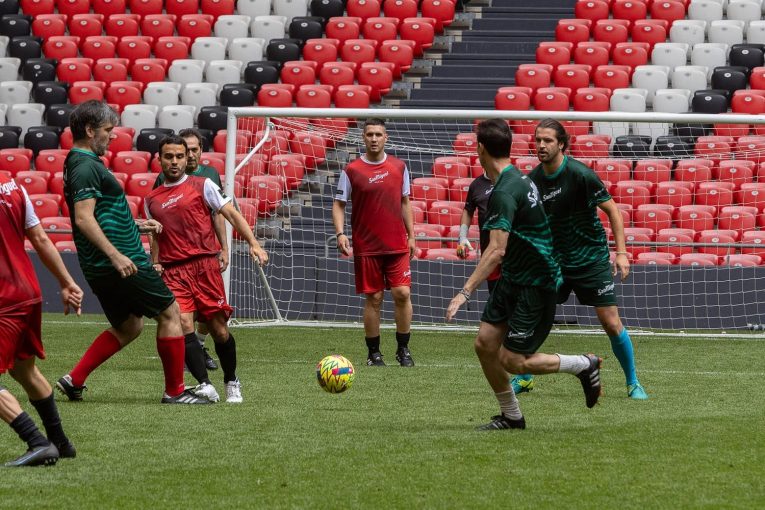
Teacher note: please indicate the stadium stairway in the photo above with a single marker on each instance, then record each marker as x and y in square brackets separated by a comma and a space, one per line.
[503, 35]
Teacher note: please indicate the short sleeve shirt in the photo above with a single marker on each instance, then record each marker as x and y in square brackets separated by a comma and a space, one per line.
[478, 196]
[515, 207]
[86, 177]
[201, 171]
[570, 197]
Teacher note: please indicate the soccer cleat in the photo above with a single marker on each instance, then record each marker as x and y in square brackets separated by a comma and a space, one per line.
[590, 378]
[404, 357]
[209, 361]
[206, 390]
[40, 456]
[375, 359]
[502, 422]
[65, 386]
[636, 392]
[234, 392]
[522, 383]
[187, 397]
[66, 450]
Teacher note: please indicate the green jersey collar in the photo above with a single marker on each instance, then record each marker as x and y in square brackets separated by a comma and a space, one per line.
[84, 151]
[558, 171]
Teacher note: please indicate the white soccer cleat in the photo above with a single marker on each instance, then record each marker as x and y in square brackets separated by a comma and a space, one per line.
[234, 392]
[207, 391]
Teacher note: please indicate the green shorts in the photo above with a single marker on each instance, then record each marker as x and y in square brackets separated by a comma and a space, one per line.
[593, 288]
[529, 313]
[144, 295]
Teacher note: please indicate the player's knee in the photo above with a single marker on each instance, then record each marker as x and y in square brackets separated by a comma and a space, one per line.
[484, 345]
[401, 295]
[375, 300]
[610, 320]
[187, 323]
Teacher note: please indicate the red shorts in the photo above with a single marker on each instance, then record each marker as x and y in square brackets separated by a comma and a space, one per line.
[379, 272]
[495, 274]
[198, 287]
[20, 336]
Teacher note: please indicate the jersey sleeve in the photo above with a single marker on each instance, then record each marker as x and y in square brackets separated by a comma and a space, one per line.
[405, 185]
[343, 187]
[214, 196]
[595, 189]
[85, 183]
[470, 200]
[30, 217]
[500, 212]
[146, 209]
[215, 178]
[157, 181]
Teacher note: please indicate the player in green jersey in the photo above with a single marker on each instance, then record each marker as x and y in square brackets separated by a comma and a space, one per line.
[571, 195]
[519, 313]
[193, 139]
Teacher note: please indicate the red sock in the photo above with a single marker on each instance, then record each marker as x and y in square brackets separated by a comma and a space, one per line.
[103, 347]
[171, 351]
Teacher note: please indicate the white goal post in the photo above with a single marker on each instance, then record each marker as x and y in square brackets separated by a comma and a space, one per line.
[669, 171]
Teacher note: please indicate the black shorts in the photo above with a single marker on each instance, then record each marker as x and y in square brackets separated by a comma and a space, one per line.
[529, 313]
[595, 287]
[144, 295]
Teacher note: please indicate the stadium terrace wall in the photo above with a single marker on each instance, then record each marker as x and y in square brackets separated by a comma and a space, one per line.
[655, 297]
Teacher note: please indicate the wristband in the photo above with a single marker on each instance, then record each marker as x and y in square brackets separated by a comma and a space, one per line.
[621, 252]
[464, 294]
[340, 234]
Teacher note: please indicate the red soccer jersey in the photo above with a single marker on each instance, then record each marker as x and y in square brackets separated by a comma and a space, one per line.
[18, 281]
[375, 190]
[183, 209]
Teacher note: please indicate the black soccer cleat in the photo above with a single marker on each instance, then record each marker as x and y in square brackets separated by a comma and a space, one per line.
[39, 456]
[375, 359]
[590, 378]
[187, 397]
[65, 386]
[404, 357]
[209, 361]
[502, 422]
[66, 450]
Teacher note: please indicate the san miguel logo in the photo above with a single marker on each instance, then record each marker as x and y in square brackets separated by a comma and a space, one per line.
[7, 187]
[172, 201]
[378, 177]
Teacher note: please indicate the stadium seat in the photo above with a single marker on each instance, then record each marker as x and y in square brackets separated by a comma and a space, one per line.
[688, 31]
[741, 260]
[698, 259]
[231, 26]
[290, 167]
[184, 7]
[650, 216]
[651, 78]
[670, 101]
[729, 79]
[313, 96]
[650, 33]
[611, 77]
[634, 195]
[553, 55]
[352, 96]
[756, 238]
[706, 10]
[658, 258]
[572, 31]
[25, 115]
[429, 189]
[267, 190]
[378, 75]
[679, 241]
[674, 194]
[445, 213]
[631, 54]
[717, 237]
[419, 30]
[744, 10]
[713, 194]
[52, 224]
[146, 7]
[632, 146]
[39, 138]
[327, 9]
[672, 54]
[590, 146]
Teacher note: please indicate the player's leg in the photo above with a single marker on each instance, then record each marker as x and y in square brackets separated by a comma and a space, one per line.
[225, 348]
[40, 451]
[529, 325]
[202, 332]
[621, 345]
[195, 360]
[398, 276]
[370, 282]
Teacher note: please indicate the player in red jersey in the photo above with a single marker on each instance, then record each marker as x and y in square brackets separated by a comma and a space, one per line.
[383, 237]
[186, 254]
[20, 316]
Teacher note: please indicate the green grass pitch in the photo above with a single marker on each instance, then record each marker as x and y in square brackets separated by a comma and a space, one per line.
[402, 438]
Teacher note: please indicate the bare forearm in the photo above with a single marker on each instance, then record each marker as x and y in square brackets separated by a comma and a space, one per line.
[50, 256]
[338, 216]
[617, 228]
[219, 224]
[485, 267]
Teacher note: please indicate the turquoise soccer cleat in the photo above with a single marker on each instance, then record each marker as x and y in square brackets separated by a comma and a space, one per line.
[522, 383]
[636, 392]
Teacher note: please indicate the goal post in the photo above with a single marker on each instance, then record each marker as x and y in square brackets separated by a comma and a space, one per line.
[691, 188]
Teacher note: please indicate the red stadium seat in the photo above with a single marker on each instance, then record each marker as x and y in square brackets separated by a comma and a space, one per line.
[592, 10]
[109, 7]
[445, 213]
[573, 32]
[551, 100]
[131, 162]
[679, 236]
[14, 162]
[458, 189]
[649, 33]
[274, 97]
[526, 165]
[50, 161]
[591, 55]
[631, 54]
[343, 28]
[172, 48]
[611, 31]
[337, 73]
[753, 194]
[218, 7]
[429, 189]
[363, 8]
[753, 237]
[34, 184]
[358, 51]
[256, 165]
[714, 148]
[746, 101]
[194, 26]
[589, 146]
[634, 237]
[694, 218]
[572, 77]
[352, 96]
[37, 7]
[419, 30]
[311, 146]
[46, 205]
[321, 50]
[60, 47]
[693, 172]
[669, 10]
[736, 171]
[751, 148]
[611, 77]
[698, 259]
[653, 170]
[54, 224]
[511, 100]
[86, 25]
[267, 190]
[553, 55]
[440, 10]
[378, 75]
[290, 167]
[145, 71]
[181, 7]
[605, 220]
[627, 193]
[85, 92]
[144, 7]
[99, 47]
[465, 144]
[674, 194]
[140, 184]
[631, 10]
[380, 30]
[742, 260]
[313, 96]
[134, 47]
[659, 258]
[72, 7]
[276, 143]
[533, 77]
[398, 52]
[110, 70]
[739, 221]
[122, 96]
[48, 25]
[716, 237]
[585, 100]
[451, 168]
[645, 216]
[158, 25]
[299, 72]
[427, 230]
[400, 9]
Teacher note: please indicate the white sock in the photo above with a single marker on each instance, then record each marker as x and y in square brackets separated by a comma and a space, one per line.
[508, 404]
[573, 364]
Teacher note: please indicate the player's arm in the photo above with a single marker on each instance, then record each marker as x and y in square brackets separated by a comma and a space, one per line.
[338, 219]
[486, 265]
[71, 293]
[85, 219]
[229, 212]
[621, 262]
[408, 216]
[219, 224]
[463, 246]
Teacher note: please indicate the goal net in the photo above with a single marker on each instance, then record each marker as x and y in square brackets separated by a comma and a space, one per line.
[691, 190]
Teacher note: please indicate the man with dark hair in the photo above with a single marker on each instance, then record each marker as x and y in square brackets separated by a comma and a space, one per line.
[20, 323]
[519, 313]
[383, 237]
[113, 260]
[185, 253]
[193, 139]
[571, 195]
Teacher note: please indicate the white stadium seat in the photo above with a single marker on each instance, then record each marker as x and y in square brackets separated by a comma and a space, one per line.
[726, 31]
[755, 33]
[692, 78]
[688, 31]
[223, 72]
[177, 117]
[14, 92]
[209, 49]
[253, 8]
[268, 27]
[672, 100]
[139, 116]
[186, 71]
[246, 49]
[200, 95]
[25, 116]
[9, 68]
[650, 78]
[707, 10]
[710, 55]
[670, 54]
[162, 93]
[232, 26]
[745, 10]
[290, 9]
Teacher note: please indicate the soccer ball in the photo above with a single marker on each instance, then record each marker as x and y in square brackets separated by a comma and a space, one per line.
[335, 373]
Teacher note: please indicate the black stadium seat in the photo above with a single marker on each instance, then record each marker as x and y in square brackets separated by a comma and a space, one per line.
[148, 139]
[674, 147]
[15, 25]
[730, 79]
[283, 50]
[58, 114]
[9, 137]
[261, 72]
[25, 48]
[747, 55]
[50, 92]
[39, 69]
[632, 146]
[9, 7]
[327, 8]
[238, 94]
[41, 138]
[709, 101]
[306, 27]
[212, 118]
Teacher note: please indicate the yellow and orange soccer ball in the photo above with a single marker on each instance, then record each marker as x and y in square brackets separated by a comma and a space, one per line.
[335, 373]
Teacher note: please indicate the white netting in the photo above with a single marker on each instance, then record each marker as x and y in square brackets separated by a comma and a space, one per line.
[691, 192]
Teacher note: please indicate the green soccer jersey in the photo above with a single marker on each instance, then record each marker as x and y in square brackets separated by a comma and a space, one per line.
[571, 196]
[201, 171]
[85, 177]
[514, 207]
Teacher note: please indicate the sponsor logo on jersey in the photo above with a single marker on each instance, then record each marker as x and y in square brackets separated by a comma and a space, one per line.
[488, 191]
[608, 288]
[7, 187]
[172, 201]
[554, 193]
[533, 195]
[407, 273]
[378, 177]
[492, 218]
